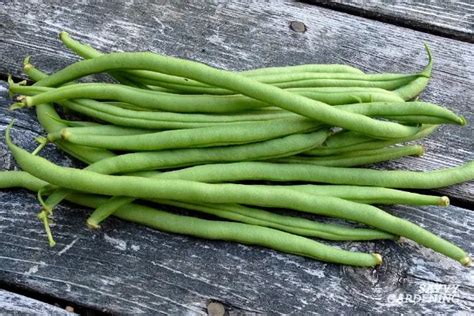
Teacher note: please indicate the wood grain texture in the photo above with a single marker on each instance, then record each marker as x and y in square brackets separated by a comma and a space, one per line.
[129, 269]
[454, 19]
[15, 304]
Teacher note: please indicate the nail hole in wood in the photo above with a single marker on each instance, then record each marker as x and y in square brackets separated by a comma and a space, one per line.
[297, 26]
[215, 309]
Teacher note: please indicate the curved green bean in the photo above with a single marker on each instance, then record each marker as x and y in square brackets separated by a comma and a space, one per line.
[189, 191]
[291, 224]
[413, 89]
[20, 179]
[237, 232]
[415, 112]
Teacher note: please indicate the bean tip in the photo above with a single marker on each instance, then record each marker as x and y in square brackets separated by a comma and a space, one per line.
[444, 201]
[26, 61]
[65, 134]
[63, 34]
[378, 258]
[420, 151]
[462, 121]
[27, 67]
[92, 224]
[16, 106]
[466, 261]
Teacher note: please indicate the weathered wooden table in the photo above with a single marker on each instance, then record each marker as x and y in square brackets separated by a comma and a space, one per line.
[129, 269]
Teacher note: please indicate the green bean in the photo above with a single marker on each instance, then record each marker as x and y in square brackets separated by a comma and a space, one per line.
[189, 103]
[411, 86]
[228, 134]
[357, 158]
[89, 108]
[368, 195]
[237, 232]
[260, 91]
[20, 179]
[291, 224]
[414, 112]
[336, 175]
[413, 89]
[189, 191]
[300, 226]
[87, 52]
[255, 216]
[345, 141]
[79, 123]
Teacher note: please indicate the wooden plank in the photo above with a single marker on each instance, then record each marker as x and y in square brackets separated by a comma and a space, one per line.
[454, 19]
[125, 268]
[16, 304]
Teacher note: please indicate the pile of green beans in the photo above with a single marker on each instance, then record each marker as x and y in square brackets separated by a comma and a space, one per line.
[183, 135]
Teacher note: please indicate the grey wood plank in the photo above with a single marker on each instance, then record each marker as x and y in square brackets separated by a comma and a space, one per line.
[454, 19]
[129, 269]
[16, 304]
[241, 35]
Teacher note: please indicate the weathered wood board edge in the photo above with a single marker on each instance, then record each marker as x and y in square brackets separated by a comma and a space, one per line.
[15, 304]
[444, 18]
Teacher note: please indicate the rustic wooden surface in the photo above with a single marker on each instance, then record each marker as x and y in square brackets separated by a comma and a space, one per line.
[15, 304]
[126, 268]
[454, 19]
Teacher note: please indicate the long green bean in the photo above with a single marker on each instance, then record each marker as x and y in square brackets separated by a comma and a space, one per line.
[401, 179]
[228, 134]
